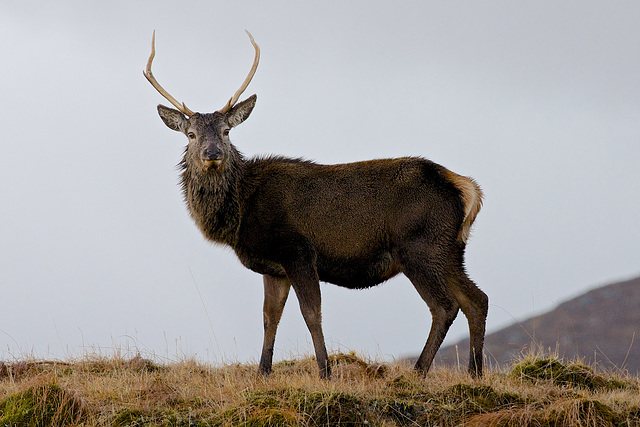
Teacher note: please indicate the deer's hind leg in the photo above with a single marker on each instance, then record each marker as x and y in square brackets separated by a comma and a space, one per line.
[475, 305]
[425, 266]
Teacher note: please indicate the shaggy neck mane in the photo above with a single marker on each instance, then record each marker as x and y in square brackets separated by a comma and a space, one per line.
[212, 197]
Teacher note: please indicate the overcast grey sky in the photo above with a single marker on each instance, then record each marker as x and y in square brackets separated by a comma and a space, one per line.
[538, 101]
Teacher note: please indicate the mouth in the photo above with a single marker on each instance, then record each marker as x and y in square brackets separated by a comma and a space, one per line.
[211, 164]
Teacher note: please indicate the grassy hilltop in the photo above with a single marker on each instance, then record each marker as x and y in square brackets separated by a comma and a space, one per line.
[114, 391]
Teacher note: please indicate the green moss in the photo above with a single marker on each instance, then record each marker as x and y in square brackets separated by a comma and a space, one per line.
[573, 375]
[401, 412]
[290, 406]
[261, 408]
[257, 417]
[44, 405]
[461, 401]
[265, 399]
[130, 418]
[408, 388]
[332, 408]
[484, 397]
[272, 417]
[138, 418]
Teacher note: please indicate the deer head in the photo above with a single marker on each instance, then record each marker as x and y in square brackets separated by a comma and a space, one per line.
[208, 134]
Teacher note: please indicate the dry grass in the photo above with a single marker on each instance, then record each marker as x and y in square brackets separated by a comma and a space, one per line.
[114, 391]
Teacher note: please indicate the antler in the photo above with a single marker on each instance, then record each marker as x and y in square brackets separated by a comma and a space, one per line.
[246, 82]
[149, 75]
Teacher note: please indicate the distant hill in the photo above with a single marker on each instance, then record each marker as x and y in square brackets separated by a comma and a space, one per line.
[601, 326]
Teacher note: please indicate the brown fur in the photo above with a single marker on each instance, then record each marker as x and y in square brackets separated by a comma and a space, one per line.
[354, 225]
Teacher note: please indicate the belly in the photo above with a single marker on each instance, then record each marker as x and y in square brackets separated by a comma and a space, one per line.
[358, 273]
[353, 273]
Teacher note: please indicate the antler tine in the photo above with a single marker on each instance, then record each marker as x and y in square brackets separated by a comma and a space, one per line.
[149, 75]
[232, 101]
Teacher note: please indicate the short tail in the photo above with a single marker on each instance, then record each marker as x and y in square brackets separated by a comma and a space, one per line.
[472, 199]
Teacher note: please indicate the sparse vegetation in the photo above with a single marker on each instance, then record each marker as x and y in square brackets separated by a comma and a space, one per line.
[114, 391]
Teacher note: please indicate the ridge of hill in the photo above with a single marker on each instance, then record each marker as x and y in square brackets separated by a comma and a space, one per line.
[601, 326]
[118, 392]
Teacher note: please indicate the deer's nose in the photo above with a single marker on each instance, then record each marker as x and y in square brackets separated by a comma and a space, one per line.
[212, 153]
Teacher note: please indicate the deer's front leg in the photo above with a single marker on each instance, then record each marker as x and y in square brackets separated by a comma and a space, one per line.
[276, 291]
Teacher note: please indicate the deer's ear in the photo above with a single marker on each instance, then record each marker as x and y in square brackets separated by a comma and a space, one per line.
[174, 119]
[241, 111]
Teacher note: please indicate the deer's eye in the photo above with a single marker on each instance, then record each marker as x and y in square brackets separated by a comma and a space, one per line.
[191, 135]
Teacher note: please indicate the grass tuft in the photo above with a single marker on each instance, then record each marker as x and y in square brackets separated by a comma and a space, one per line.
[41, 405]
[572, 375]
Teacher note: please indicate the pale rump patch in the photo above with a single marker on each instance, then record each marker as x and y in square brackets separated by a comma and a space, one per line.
[472, 199]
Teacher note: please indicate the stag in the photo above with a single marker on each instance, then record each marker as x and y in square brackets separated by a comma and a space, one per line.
[354, 225]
